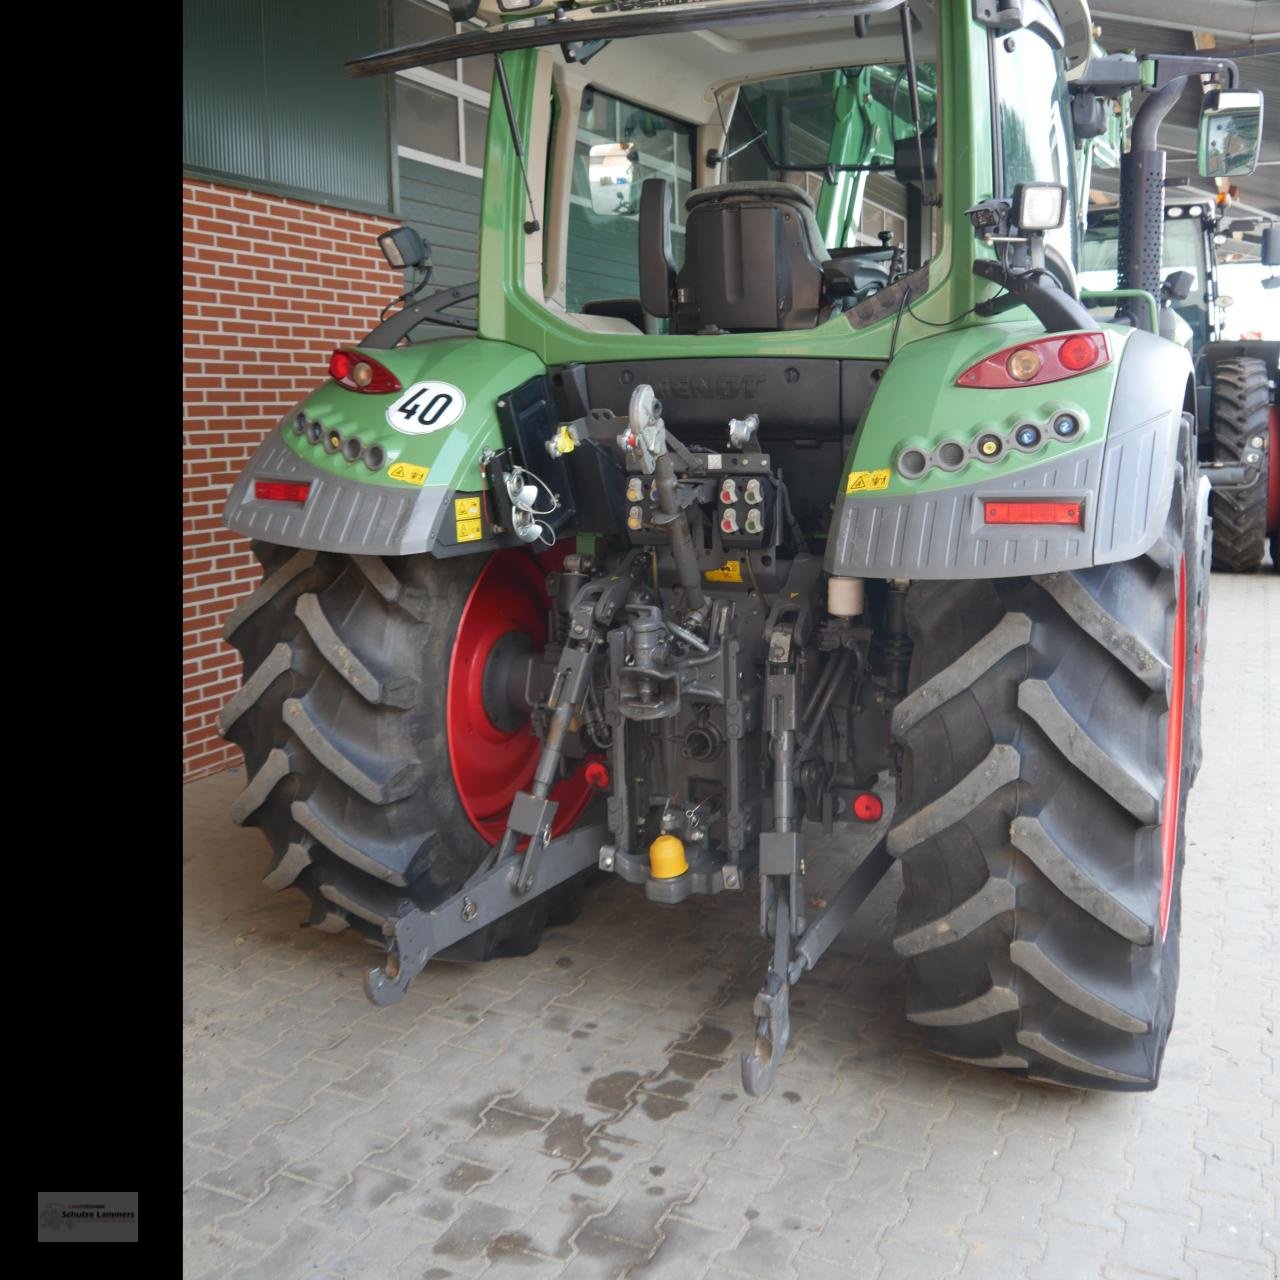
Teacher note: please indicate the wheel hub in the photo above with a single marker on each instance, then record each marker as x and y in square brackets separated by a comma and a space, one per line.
[492, 749]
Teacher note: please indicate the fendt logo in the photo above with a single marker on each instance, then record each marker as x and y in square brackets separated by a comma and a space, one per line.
[725, 386]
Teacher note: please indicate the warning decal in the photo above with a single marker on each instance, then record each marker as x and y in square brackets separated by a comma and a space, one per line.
[466, 519]
[407, 472]
[730, 571]
[866, 481]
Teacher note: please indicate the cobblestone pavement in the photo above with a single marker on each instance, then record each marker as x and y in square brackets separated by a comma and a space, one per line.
[579, 1112]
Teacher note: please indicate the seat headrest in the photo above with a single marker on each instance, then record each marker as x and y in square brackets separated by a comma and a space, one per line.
[751, 191]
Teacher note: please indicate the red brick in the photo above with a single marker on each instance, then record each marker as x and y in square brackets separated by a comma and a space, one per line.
[250, 352]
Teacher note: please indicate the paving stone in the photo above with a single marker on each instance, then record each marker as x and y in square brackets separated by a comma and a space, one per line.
[330, 1165]
[772, 1239]
[1073, 1250]
[464, 1246]
[686, 1250]
[1155, 1241]
[903, 1126]
[1214, 1266]
[206, 1251]
[564, 1208]
[248, 1175]
[1229, 1227]
[724, 1197]
[935, 1217]
[265, 1221]
[364, 1192]
[904, 1262]
[1000, 1258]
[802, 1187]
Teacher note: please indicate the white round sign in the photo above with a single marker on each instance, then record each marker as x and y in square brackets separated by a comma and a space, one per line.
[426, 407]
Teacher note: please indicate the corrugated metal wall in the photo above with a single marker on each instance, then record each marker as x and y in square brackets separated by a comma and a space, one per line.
[266, 100]
[444, 208]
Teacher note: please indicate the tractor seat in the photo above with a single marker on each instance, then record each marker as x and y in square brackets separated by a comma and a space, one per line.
[733, 193]
[753, 259]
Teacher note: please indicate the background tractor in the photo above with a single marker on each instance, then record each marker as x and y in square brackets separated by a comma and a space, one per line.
[725, 516]
[1238, 438]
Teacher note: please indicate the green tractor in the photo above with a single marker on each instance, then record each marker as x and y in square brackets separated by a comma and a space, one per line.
[716, 516]
[1239, 427]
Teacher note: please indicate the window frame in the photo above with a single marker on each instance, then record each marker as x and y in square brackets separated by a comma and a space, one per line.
[666, 169]
[454, 87]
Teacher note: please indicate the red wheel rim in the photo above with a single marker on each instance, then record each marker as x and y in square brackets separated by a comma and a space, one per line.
[1173, 750]
[490, 765]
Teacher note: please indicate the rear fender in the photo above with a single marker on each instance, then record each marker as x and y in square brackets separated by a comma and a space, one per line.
[410, 503]
[1119, 467]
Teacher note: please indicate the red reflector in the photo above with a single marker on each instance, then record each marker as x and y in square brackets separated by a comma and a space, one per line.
[340, 364]
[597, 775]
[868, 807]
[281, 490]
[1034, 513]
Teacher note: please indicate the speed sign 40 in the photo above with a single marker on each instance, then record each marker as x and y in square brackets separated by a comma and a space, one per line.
[426, 407]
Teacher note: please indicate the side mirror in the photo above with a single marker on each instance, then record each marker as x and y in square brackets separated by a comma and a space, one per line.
[1230, 133]
[613, 178]
[1271, 246]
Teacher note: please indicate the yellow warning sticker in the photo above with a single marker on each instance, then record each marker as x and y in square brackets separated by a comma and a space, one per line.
[407, 472]
[866, 481]
[730, 571]
[469, 530]
[466, 508]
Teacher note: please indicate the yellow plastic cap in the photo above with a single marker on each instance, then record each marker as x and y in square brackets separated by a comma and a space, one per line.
[666, 857]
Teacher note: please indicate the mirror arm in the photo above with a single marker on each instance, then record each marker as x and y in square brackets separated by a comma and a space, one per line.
[1171, 67]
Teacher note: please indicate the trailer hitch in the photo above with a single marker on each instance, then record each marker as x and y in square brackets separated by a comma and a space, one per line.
[491, 893]
[772, 1007]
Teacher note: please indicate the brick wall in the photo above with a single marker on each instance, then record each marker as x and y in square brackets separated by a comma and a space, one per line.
[270, 286]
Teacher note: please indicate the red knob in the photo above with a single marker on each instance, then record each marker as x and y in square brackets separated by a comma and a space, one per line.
[868, 807]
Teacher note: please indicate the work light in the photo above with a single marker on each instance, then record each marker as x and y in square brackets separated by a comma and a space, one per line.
[403, 247]
[1039, 206]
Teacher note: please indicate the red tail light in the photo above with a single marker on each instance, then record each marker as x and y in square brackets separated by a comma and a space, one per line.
[1041, 360]
[1034, 513]
[358, 372]
[281, 490]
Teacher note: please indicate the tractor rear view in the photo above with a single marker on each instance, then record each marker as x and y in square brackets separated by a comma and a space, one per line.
[778, 478]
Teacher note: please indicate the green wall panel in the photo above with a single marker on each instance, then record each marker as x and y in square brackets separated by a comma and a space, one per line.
[266, 100]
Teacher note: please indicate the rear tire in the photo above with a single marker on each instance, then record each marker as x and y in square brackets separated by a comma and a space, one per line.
[1241, 409]
[343, 721]
[1040, 824]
